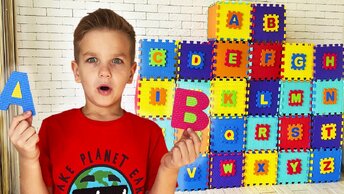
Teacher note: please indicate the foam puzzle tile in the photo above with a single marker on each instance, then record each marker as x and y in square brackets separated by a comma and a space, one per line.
[325, 165]
[227, 134]
[327, 131]
[228, 97]
[263, 97]
[295, 97]
[262, 133]
[298, 61]
[294, 132]
[17, 91]
[268, 23]
[199, 85]
[167, 130]
[231, 59]
[328, 60]
[229, 20]
[195, 60]
[194, 176]
[226, 170]
[265, 61]
[293, 167]
[328, 97]
[203, 135]
[155, 98]
[260, 168]
[157, 59]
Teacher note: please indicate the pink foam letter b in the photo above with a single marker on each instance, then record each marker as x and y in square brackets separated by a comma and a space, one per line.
[188, 110]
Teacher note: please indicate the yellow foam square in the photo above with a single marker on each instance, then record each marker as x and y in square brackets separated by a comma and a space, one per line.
[155, 98]
[228, 97]
[260, 168]
[298, 61]
[229, 20]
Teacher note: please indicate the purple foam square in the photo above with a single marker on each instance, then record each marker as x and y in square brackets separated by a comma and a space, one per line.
[223, 180]
[204, 70]
[318, 121]
[270, 89]
[321, 72]
[258, 34]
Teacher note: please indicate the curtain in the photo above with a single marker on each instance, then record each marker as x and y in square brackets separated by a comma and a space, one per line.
[9, 175]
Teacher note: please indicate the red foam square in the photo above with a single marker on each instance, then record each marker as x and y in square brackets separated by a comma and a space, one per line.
[266, 61]
[294, 133]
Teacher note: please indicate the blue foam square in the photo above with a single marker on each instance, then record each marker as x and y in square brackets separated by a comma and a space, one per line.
[163, 64]
[194, 176]
[326, 165]
[227, 134]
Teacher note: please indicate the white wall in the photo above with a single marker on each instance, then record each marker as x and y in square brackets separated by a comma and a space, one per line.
[45, 34]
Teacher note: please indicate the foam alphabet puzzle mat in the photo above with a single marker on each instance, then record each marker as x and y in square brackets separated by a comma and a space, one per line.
[267, 111]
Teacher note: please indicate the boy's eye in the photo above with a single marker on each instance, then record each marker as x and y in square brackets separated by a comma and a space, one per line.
[92, 60]
[117, 61]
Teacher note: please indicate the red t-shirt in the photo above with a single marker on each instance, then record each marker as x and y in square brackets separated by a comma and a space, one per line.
[79, 155]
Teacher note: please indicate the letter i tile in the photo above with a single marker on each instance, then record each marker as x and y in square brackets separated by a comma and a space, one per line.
[155, 98]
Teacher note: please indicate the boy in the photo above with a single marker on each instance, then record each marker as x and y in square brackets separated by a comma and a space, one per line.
[100, 148]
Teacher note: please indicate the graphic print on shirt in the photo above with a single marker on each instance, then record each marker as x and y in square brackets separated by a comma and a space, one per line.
[100, 180]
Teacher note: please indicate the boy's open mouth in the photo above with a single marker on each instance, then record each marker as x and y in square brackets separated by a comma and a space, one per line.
[104, 90]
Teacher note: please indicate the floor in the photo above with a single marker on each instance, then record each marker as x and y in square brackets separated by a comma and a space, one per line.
[322, 188]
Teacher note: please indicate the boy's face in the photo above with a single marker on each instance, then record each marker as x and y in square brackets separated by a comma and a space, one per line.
[104, 67]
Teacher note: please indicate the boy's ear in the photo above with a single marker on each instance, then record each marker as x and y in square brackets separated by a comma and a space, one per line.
[75, 68]
[132, 72]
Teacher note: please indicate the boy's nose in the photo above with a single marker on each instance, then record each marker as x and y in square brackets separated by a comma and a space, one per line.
[104, 71]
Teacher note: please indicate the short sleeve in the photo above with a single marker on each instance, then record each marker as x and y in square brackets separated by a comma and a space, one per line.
[157, 150]
[44, 157]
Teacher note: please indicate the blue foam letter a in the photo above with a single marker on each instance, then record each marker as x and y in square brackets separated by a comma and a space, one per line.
[17, 91]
